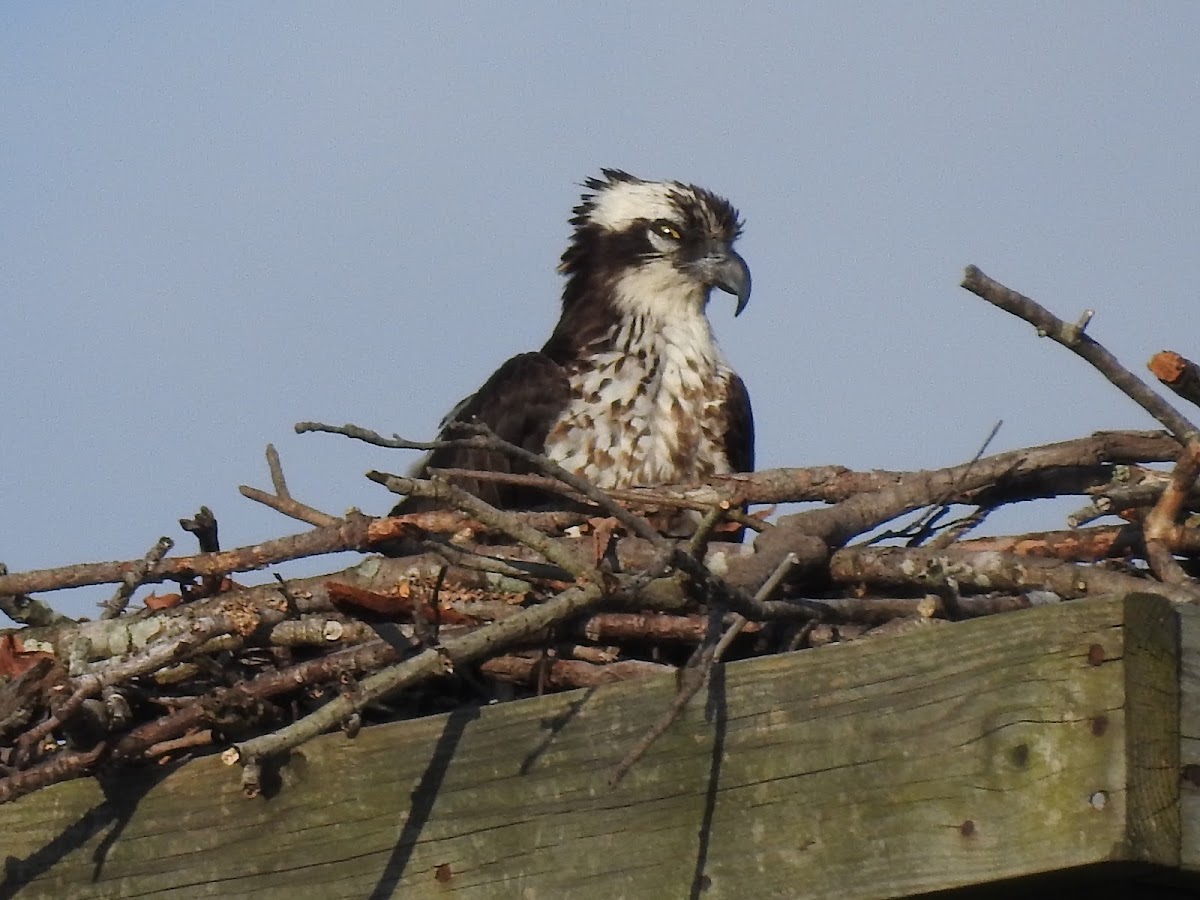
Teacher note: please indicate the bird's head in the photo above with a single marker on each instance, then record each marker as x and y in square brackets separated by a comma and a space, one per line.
[659, 247]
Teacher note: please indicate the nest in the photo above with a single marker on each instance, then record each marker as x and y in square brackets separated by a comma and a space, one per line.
[468, 604]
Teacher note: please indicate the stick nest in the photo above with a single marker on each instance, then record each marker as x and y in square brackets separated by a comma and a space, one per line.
[468, 604]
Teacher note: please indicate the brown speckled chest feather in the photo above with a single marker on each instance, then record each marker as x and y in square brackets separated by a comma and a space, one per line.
[646, 411]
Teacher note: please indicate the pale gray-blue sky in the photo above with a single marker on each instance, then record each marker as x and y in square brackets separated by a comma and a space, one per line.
[219, 219]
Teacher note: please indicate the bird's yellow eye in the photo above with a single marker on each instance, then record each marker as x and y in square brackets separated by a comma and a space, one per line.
[666, 229]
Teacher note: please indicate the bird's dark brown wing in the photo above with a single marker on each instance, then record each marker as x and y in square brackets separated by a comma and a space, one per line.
[739, 427]
[739, 441]
[519, 403]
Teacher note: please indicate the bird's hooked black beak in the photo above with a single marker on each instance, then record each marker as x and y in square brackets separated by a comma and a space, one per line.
[726, 270]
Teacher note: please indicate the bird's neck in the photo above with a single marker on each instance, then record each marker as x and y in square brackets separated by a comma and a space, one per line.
[660, 292]
[646, 309]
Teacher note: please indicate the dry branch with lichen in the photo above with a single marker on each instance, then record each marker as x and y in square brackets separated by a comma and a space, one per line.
[471, 604]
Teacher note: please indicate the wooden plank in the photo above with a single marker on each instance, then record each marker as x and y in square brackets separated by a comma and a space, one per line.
[1152, 673]
[945, 757]
[1189, 735]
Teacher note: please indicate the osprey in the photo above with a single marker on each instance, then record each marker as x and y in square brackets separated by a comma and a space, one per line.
[631, 388]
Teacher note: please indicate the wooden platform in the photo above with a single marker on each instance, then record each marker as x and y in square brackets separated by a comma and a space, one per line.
[1059, 746]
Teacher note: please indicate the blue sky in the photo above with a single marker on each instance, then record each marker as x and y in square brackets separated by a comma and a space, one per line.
[219, 219]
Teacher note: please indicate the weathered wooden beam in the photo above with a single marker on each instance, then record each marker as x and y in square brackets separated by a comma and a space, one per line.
[1018, 744]
[1189, 731]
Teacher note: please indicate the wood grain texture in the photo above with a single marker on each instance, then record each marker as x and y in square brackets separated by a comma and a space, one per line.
[1189, 736]
[1018, 744]
[1152, 703]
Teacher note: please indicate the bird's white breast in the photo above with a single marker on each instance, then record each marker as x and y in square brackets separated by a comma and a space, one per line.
[648, 410]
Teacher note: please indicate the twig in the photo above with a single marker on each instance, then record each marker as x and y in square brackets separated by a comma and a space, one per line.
[350, 661]
[282, 500]
[1132, 489]
[695, 677]
[518, 569]
[956, 529]
[1178, 373]
[135, 577]
[917, 532]
[698, 542]
[514, 479]
[290, 507]
[1072, 337]
[1165, 513]
[483, 438]
[568, 673]
[371, 437]
[26, 610]
[1004, 477]
[833, 484]
[490, 516]
[202, 738]
[871, 611]
[353, 533]
[252, 778]
[1076, 544]
[656, 627]
[764, 593]
[1162, 525]
[60, 767]
[990, 571]
[472, 646]
[154, 657]
[276, 468]
[666, 497]
[203, 526]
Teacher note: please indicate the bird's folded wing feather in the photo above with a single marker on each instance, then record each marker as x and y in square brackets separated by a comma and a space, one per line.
[519, 403]
[739, 427]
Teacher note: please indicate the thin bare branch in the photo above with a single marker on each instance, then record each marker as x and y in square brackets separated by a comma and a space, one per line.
[135, 578]
[1073, 338]
[26, 610]
[354, 533]
[696, 676]
[62, 766]
[990, 571]
[428, 663]
[558, 674]
[490, 516]
[154, 657]
[282, 500]
[289, 506]
[1163, 524]
[276, 468]
[1178, 373]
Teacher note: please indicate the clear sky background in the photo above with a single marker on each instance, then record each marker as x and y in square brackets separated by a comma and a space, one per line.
[219, 219]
